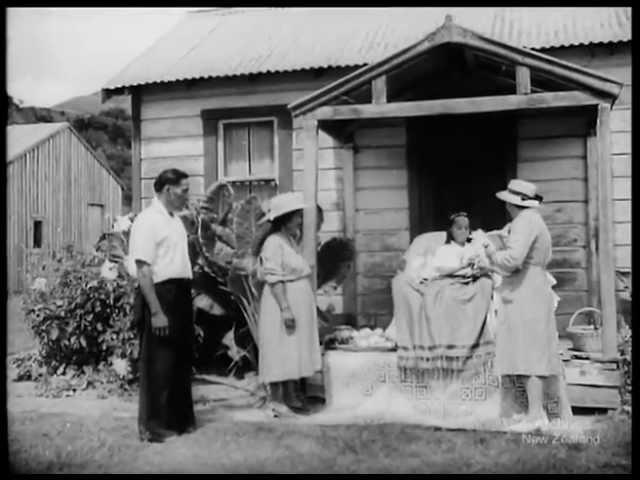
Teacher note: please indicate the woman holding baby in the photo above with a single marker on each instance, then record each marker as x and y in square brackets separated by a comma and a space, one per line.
[527, 339]
[446, 297]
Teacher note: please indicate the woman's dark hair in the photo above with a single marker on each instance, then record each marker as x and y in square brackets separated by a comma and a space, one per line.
[279, 222]
[171, 176]
[273, 226]
[452, 219]
[333, 254]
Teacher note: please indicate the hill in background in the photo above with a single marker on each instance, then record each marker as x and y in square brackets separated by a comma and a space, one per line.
[92, 104]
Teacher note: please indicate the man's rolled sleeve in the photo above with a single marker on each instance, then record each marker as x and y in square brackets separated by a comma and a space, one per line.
[142, 241]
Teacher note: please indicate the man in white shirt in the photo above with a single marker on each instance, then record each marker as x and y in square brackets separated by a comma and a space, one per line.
[159, 246]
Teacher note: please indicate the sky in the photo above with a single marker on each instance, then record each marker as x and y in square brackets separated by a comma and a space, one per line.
[54, 54]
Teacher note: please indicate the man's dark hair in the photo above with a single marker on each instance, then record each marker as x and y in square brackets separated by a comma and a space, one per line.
[171, 176]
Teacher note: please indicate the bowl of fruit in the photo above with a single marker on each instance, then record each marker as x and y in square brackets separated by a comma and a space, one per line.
[341, 335]
[366, 339]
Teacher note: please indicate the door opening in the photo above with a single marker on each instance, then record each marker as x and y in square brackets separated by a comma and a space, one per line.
[95, 227]
[458, 163]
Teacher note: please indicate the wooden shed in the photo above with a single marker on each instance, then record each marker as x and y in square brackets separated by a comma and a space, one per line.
[389, 119]
[59, 193]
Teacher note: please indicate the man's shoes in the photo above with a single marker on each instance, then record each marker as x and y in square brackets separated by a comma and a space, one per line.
[158, 435]
[190, 429]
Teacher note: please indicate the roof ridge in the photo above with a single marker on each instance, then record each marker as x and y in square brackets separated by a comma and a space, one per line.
[61, 126]
[232, 10]
[213, 51]
[55, 127]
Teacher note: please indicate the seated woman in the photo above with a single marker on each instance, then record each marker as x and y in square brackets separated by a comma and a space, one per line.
[441, 310]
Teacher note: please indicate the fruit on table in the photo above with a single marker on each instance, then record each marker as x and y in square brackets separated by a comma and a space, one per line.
[366, 337]
[363, 338]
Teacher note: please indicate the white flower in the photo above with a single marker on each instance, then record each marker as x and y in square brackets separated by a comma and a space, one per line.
[122, 224]
[109, 270]
[39, 284]
[120, 366]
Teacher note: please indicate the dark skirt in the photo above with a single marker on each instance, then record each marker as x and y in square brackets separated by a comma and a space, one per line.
[165, 402]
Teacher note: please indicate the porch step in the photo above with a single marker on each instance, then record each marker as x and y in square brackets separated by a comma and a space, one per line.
[589, 396]
[592, 380]
[568, 352]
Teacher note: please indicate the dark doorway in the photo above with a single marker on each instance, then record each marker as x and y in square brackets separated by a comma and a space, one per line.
[458, 163]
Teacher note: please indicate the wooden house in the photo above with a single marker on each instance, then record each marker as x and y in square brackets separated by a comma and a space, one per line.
[392, 117]
[59, 193]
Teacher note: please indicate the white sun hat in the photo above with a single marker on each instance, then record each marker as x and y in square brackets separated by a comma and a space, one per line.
[521, 193]
[283, 203]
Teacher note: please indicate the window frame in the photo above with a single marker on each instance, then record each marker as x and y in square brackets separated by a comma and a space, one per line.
[220, 150]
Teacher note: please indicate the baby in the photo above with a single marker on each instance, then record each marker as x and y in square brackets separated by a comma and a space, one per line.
[461, 255]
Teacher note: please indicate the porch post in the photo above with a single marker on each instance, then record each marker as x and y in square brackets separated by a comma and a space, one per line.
[605, 238]
[349, 287]
[379, 90]
[593, 183]
[309, 232]
[136, 201]
[523, 80]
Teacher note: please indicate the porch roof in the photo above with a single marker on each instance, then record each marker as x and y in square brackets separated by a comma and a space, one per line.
[452, 34]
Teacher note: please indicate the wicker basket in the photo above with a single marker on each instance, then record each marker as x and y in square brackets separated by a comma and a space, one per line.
[586, 338]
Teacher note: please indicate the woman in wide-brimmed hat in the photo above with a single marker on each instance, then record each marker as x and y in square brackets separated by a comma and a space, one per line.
[527, 339]
[289, 347]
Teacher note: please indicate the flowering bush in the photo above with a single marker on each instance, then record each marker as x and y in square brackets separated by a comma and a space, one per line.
[82, 322]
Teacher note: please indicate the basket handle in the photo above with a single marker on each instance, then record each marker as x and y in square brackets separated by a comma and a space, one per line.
[582, 310]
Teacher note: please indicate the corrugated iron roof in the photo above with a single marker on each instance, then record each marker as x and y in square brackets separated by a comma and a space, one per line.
[21, 138]
[241, 41]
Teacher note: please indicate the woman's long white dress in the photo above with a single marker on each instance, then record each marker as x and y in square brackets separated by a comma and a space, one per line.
[283, 356]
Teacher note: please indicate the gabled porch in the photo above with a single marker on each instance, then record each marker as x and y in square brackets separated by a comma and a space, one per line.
[447, 121]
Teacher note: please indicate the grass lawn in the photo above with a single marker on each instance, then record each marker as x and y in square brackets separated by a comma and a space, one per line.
[58, 442]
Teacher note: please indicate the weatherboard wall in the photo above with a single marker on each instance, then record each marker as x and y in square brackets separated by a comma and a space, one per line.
[173, 133]
[55, 182]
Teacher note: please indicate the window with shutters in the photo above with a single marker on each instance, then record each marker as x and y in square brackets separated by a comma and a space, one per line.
[248, 155]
